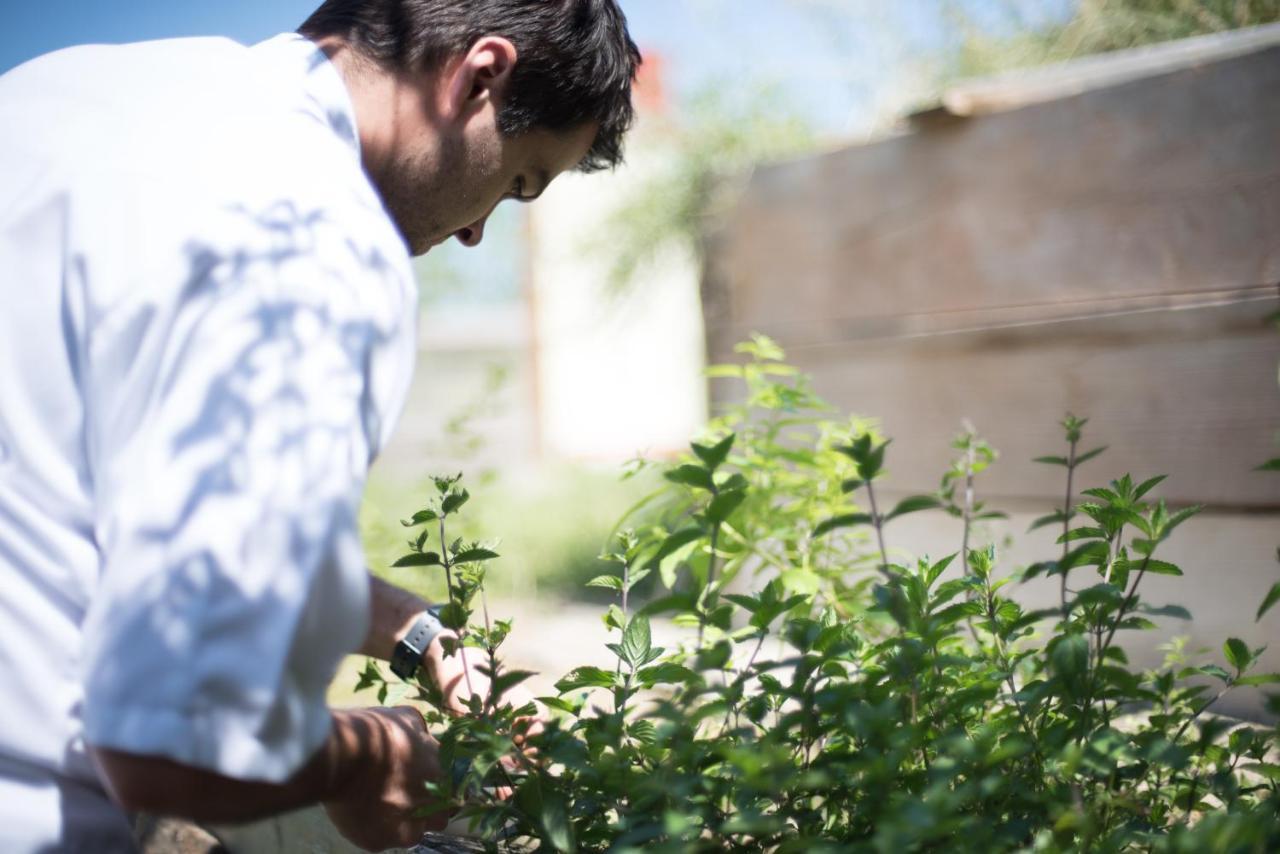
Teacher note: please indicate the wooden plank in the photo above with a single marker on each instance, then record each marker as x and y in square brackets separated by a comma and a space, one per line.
[1024, 87]
[1157, 189]
[1188, 393]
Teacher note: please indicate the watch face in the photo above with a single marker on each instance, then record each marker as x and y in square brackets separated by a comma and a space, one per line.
[404, 661]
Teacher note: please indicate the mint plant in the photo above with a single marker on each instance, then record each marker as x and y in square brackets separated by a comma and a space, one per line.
[830, 695]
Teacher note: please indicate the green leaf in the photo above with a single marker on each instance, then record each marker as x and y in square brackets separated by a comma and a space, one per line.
[690, 475]
[1177, 611]
[1147, 485]
[844, 521]
[1070, 657]
[561, 704]
[1237, 653]
[613, 617]
[934, 571]
[474, 555]
[723, 505]
[1153, 566]
[419, 518]
[1259, 679]
[587, 677]
[1051, 461]
[612, 582]
[913, 504]
[1088, 455]
[1086, 533]
[674, 541]
[1270, 770]
[713, 455]
[664, 673]
[1273, 596]
[1270, 465]
[423, 559]
[636, 640]
[508, 679]
[453, 501]
[1057, 517]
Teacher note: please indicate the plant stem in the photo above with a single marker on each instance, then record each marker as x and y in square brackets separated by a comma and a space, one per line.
[708, 597]
[447, 560]
[878, 523]
[1066, 523]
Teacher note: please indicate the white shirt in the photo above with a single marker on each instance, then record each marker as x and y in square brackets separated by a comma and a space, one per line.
[206, 334]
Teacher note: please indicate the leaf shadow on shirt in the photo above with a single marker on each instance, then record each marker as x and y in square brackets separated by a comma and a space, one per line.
[240, 545]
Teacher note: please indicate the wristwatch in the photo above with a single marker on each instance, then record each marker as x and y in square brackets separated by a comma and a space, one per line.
[408, 652]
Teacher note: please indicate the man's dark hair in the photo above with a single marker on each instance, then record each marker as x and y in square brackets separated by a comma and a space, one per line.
[575, 60]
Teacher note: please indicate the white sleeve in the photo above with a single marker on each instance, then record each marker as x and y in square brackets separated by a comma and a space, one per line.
[235, 411]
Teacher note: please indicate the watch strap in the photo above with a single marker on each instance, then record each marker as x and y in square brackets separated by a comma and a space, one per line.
[407, 655]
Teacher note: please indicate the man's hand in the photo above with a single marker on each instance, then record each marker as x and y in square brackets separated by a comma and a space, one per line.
[369, 774]
[374, 807]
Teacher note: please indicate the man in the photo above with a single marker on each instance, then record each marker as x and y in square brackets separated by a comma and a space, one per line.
[207, 335]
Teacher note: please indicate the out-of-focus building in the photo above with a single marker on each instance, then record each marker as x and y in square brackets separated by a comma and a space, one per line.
[1100, 237]
[531, 342]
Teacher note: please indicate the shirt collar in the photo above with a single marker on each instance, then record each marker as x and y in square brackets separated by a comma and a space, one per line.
[325, 95]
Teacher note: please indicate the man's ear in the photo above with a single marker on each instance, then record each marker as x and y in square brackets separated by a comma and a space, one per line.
[481, 77]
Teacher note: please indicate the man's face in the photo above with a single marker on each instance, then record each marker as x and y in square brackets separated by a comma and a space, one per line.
[449, 188]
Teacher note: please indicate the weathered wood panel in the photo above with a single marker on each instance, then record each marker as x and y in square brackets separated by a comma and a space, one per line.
[1188, 393]
[1153, 189]
[1112, 253]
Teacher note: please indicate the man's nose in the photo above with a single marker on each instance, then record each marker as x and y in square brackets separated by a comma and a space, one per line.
[472, 234]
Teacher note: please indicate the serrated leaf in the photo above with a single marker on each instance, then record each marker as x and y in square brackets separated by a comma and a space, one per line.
[1085, 533]
[1157, 567]
[1147, 485]
[636, 640]
[690, 475]
[422, 559]
[843, 521]
[664, 673]
[586, 677]
[612, 582]
[1259, 679]
[613, 617]
[713, 455]
[1237, 653]
[453, 501]
[474, 555]
[1178, 518]
[419, 518]
[913, 504]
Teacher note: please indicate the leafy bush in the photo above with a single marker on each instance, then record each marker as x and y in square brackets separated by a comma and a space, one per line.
[849, 702]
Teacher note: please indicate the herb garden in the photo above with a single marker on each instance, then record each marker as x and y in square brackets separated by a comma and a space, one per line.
[828, 698]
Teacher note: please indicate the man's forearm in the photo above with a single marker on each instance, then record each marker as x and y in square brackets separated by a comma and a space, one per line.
[392, 612]
[141, 783]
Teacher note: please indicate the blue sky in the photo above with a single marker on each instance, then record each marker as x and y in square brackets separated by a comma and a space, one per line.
[842, 65]
[832, 58]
